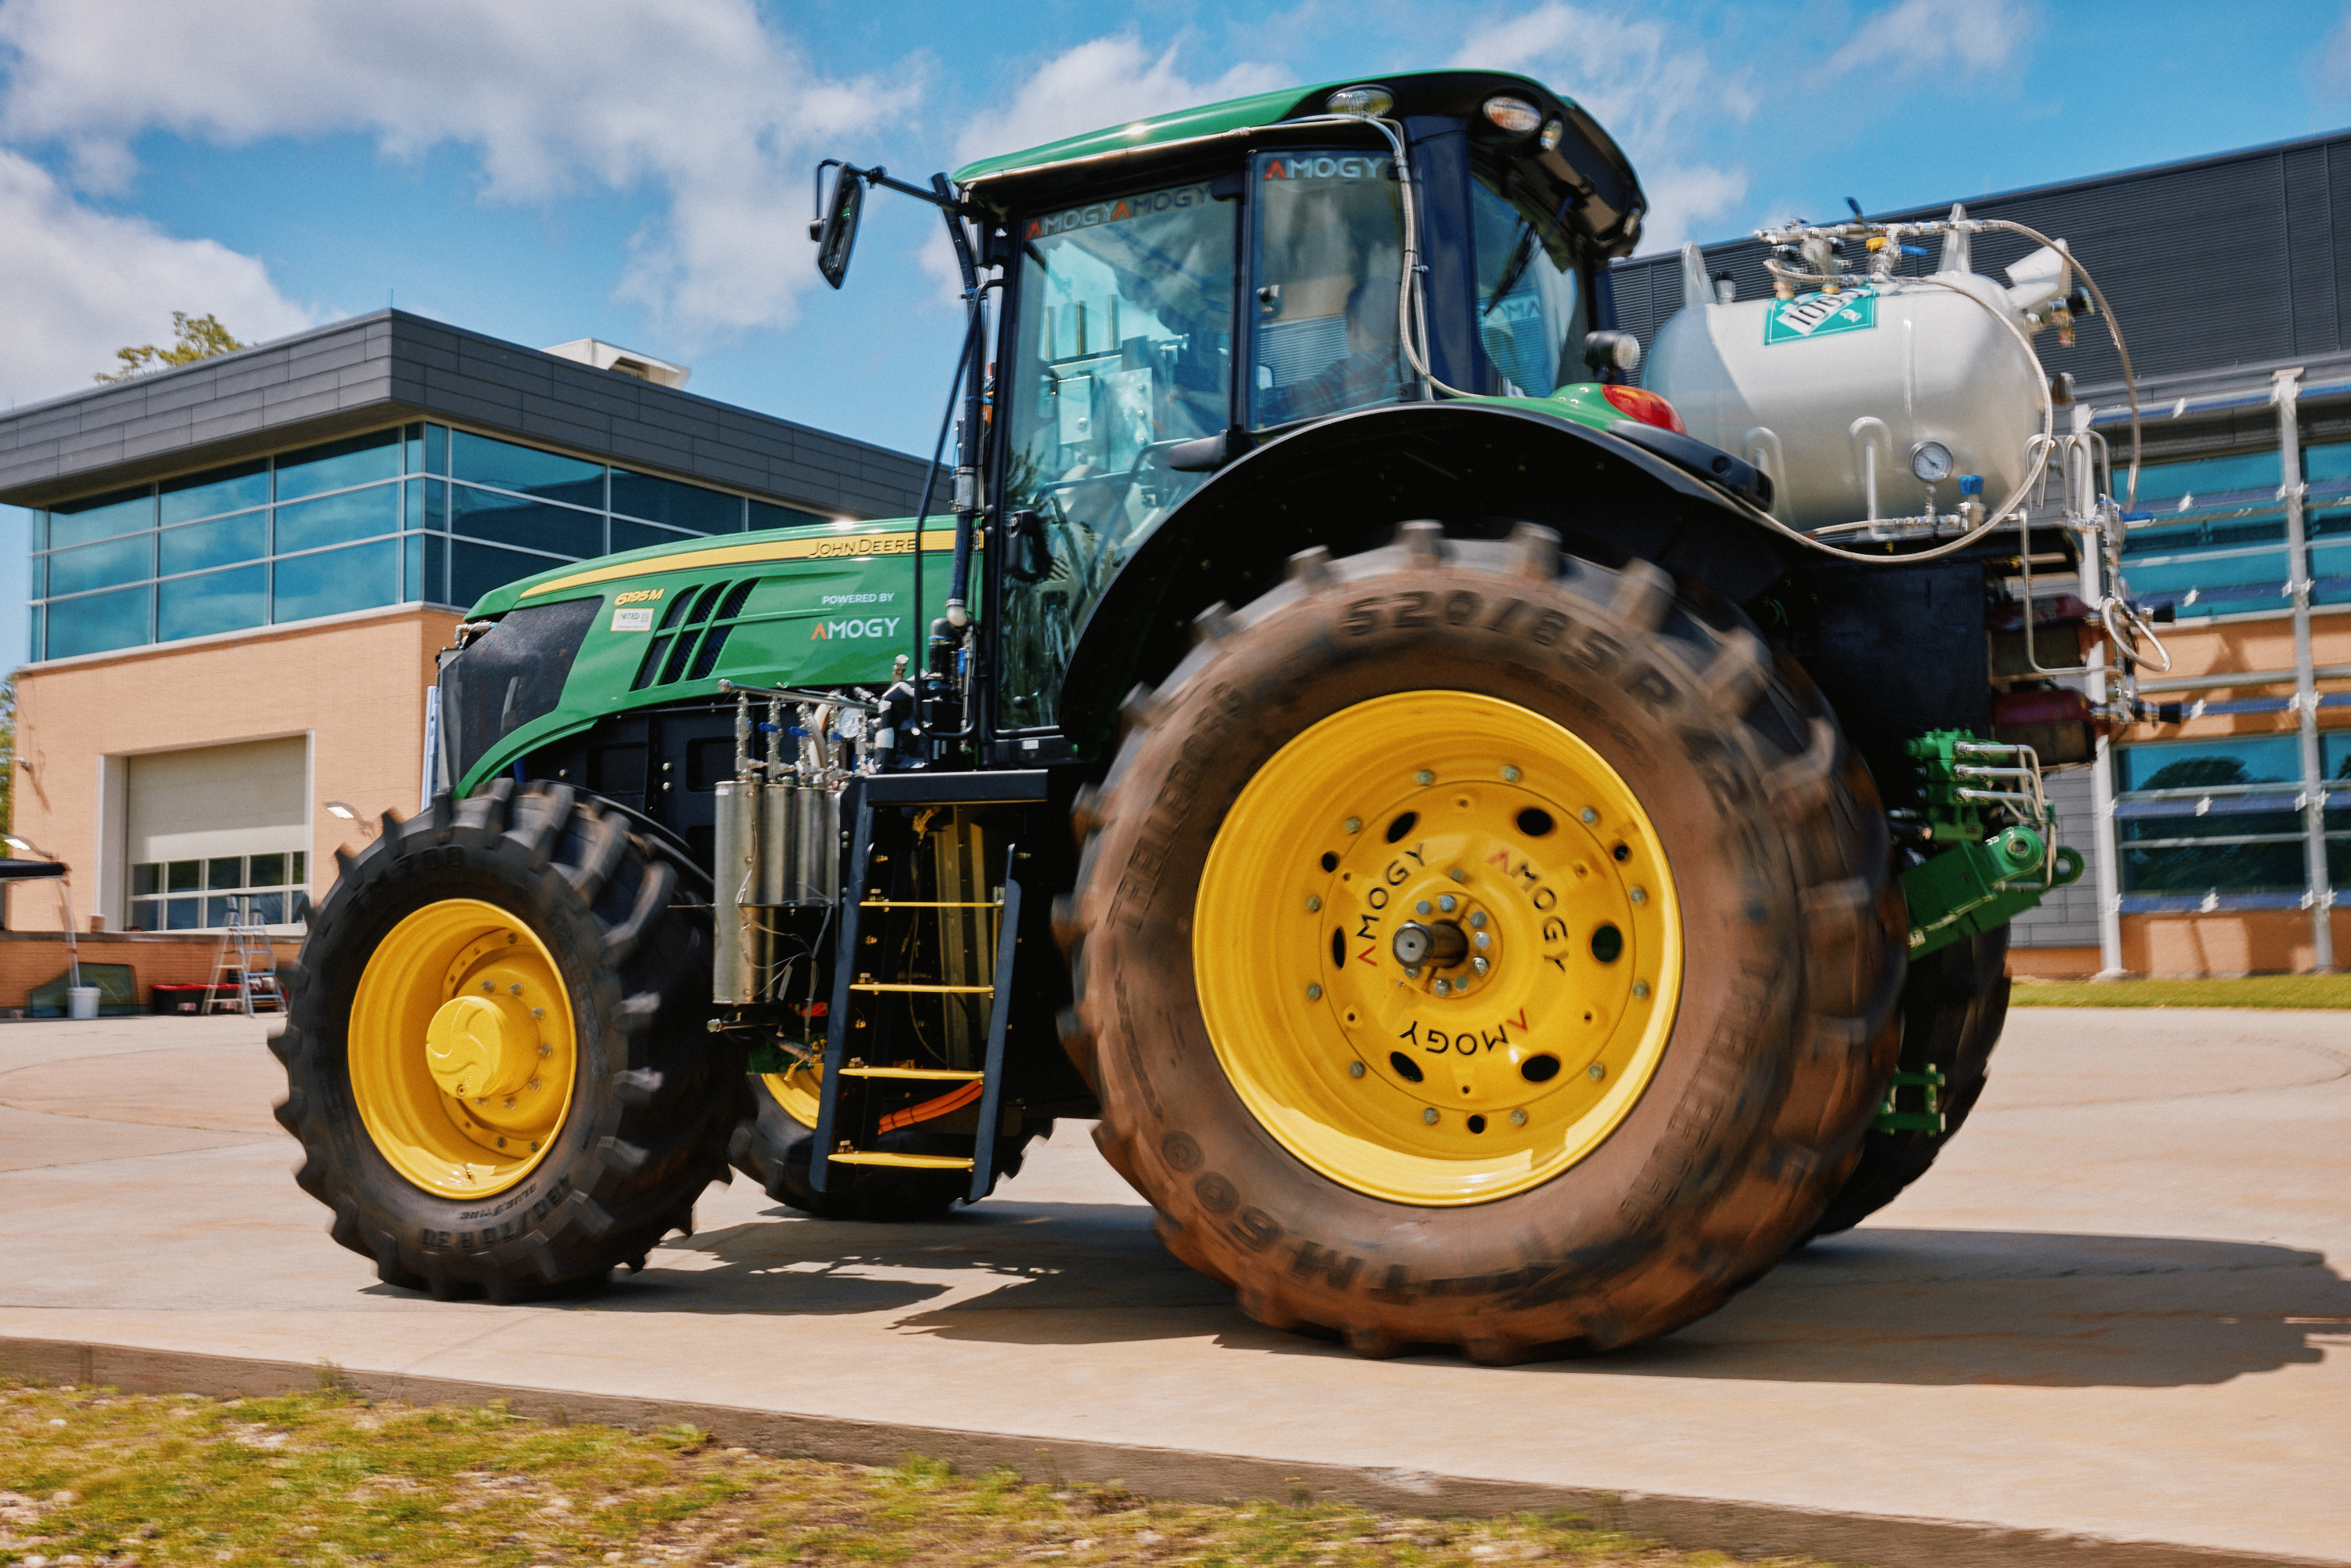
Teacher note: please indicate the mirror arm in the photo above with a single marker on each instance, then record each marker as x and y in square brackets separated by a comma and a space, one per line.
[974, 345]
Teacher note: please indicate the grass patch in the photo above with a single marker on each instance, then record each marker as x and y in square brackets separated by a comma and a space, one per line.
[92, 1477]
[2246, 991]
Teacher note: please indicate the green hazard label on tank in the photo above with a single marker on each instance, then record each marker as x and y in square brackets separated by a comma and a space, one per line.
[1820, 316]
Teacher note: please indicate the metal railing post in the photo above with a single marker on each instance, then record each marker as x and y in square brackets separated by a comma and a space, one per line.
[2106, 860]
[2319, 895]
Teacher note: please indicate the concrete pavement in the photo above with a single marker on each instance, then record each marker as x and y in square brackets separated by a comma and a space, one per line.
[2113, 1324]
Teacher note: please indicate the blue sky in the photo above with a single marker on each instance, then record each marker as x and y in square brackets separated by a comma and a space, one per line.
[637, 170]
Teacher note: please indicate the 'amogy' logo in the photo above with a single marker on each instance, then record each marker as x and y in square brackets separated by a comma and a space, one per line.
[875, 626]
[1328, 166]
[1095, 213]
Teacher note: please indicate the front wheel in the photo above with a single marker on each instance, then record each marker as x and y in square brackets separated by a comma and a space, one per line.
[495, 1057]
[1474, 948]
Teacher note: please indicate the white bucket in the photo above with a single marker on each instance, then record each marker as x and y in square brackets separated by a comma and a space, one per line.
[81, 1001]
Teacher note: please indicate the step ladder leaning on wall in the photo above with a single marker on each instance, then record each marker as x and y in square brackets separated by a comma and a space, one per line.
[245, 951]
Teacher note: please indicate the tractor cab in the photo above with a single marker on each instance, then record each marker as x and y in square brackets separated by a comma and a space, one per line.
[1176, 292]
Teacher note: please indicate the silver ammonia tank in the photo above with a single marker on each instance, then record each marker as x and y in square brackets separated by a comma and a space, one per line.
[1830, 392]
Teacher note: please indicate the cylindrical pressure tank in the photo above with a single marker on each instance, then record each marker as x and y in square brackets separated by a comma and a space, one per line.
[1835, 394]
[735, 956]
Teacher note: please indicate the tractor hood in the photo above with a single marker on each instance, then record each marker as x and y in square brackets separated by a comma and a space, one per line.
[1590, 174]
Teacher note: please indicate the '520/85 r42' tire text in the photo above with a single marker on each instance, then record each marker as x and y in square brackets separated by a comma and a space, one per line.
[1475, 947]
[496, 1058]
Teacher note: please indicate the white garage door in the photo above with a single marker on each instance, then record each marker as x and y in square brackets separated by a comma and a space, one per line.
[218, 835]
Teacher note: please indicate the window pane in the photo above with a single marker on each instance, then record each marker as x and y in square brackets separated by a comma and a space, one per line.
[298, 858]
[211, 601]
[411, 437]
[436, 449]
[216, 543]
[356, 516]
[2204, 764]
[268, 908]
[2224, 585]
[40, 577]
[102, 566]
[414, 511]
[337, 581]
[146, 879]
[474, 569]
[2205, 480]
[183, 915]
[627, 535]
[182, 876]
[1330, 247]
[548, 475]
[268, 871]
[146, 914]
[339, 465]
[680, 505]
[219, 911]
[101, 517]
[39, 629]
[219, 490]
[412, 550]
[1529, 304]
[764, 516]
[228, 872]
[436, 570]
[99, 623]
[486, 515]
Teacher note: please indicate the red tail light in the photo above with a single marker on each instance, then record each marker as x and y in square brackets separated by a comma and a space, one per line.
[1645, 406]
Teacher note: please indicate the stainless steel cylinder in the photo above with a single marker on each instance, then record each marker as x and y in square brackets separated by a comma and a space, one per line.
[817, 855]
[779, 806]
[735, 956]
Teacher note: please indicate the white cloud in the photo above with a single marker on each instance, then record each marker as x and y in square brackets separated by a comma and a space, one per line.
[1099, 83]
[696, 98]
[1654, 90]
[2330, 66]
[82, 282]
[1960, 39]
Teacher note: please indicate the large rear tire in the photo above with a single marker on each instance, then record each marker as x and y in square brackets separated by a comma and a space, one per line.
[1697, 949]
[1954, 1005]
[495, 1056]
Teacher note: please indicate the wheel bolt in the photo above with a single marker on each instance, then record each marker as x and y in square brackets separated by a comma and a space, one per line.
[1477, 921]
[1424, 777]
[544, 1048]
[1430, 1115]
[1422, 907]
[1518, 1118]
[489, 985]
[1458, 874]
[1355, 1070]
[1412, 972]
[1447, 903]
[509, 1102]
[1640, 987]
[1477, 965]
[1355, 824]
[1444, 988]
[1597, 1070]
[533, 1085]
[1510, 775]
[1589, 815]
[1313, 903]
[1639, 895]
[539, 1013]
[515, 989]
[1313, 993]
[1484, 939]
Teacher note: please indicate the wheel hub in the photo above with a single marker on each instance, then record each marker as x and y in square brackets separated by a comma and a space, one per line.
[1479, 948]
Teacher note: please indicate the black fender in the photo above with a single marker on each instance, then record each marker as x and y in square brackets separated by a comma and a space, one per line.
[1346, 483]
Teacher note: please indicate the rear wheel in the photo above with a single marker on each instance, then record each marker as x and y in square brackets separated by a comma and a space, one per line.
[495, 1054]
[1954, 1005]
[1472, 954]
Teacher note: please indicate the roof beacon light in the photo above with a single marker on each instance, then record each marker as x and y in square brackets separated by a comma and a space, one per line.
[1367, 102]
[1552, 131]
[1515, 115]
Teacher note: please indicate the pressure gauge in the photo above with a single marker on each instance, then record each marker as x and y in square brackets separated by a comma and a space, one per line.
[1931, 461]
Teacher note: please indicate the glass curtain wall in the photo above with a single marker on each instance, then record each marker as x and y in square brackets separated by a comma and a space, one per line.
[2210, 537]
[2219, 824]
[417, 514]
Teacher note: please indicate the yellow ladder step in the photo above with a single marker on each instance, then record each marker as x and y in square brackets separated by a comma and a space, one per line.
[955, 990]
[904, 1161]
[949, 1074]
[913, 903]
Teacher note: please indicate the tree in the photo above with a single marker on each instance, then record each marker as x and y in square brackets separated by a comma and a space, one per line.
[200, 337]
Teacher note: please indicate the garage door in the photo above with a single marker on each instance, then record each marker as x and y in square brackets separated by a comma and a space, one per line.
[218, 835]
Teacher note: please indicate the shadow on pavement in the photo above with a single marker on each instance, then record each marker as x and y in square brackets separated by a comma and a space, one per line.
[1877, 1305]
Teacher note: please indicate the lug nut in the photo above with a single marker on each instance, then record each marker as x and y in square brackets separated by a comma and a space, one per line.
[1640, 987]
[533, 1085]
[1355, 1070]
[509, 1102]
[1518, 1118]
[545, 1049]
[1430, 1115]
[1355, 824]
[1597, 1072]
[1424, 777]
[1422, 907]
[1484, 939]
[1510, 775]
[1477, 921]
[1588, 815]
[516, 988]
[539, 1012]
[1412, 972]
[1447, 903]
[1477, 965]
[1639, 895]
[1458, 874]
[1313, 993]
[489, 985]
[1444, 988]
[1313, 903]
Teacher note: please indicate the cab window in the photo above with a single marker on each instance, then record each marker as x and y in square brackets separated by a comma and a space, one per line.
[1531, 315]
[1122, 345]
[1329, 250]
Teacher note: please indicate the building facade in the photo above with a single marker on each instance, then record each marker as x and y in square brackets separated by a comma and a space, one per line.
[243, 571]
[2219, 836]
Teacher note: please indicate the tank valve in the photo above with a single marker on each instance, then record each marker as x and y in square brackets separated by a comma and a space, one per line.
[1971, 501]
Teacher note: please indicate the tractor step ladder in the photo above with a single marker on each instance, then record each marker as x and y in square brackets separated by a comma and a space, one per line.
[245, 951]
[843, 1105]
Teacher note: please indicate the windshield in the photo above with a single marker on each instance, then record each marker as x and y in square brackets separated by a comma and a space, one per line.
[1330, 251]
[1124, 346]
[1531, 316]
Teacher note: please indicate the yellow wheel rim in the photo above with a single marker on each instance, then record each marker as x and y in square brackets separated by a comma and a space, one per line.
[1442, 1082]
[800, 1092]
[462, 1050]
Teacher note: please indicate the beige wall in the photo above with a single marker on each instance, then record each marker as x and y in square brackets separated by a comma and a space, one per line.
[354, 688]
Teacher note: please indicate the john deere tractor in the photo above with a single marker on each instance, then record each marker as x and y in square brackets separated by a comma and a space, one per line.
[1498, 869]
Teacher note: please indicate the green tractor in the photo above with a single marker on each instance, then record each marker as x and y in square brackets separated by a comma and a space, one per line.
[1491, 878]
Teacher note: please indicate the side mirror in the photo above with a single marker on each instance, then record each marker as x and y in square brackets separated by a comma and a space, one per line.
[1027, 558]
[836, 233]
[1618, 351]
